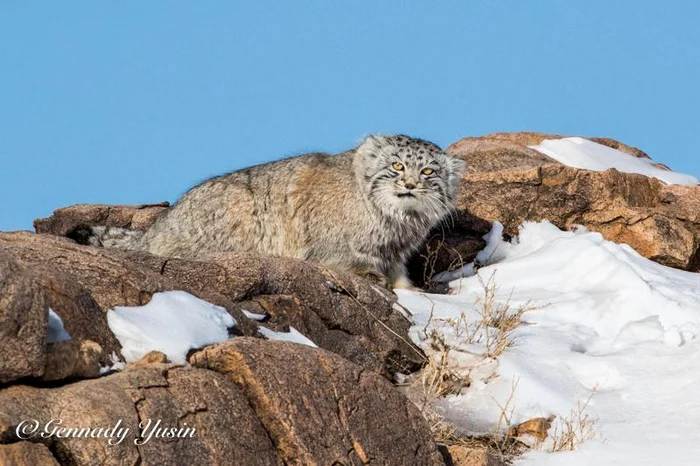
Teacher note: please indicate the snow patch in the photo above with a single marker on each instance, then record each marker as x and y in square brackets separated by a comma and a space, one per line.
[254, 316]
[588, 155]
[173, 322]
[604, 321]
[116, 364]
[293, 335]
[55, 331]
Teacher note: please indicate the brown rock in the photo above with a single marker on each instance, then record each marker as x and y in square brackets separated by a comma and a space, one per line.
[462, 455]
[82, 283]
[134, 217]
[227, 430]
[321, 409]
[26, 454]
[23, 318]
[152, 357]
[510, 183]
[72, 359]
[338, 311]
[537, 428]
[532, 139]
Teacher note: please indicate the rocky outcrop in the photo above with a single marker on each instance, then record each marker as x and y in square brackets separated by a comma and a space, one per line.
[253, 401]
[247, 401]
[352, 414]
[137, 217]
[511, 183]
[338, 311]
[227, 431]
[23, 319]
[299, 394]
[26, 454]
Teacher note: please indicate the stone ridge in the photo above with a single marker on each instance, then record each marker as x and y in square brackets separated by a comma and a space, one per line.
[506, 181]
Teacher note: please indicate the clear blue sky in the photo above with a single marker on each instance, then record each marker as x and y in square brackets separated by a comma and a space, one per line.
[135, 101]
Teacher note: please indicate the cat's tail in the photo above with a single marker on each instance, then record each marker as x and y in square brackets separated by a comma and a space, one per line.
[106, 237]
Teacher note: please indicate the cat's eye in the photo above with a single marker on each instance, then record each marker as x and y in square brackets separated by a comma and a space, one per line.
[397, 166]
[428, 171]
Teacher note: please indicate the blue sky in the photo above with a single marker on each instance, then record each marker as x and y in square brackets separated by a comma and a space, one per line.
[136, 101]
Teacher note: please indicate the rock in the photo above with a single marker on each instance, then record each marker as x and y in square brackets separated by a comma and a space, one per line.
[79, 359]
[26, 454]
[511, 183]
[23, 319]
[462, 455]
[82, 283]
[532, 139]
[134, 217]
[321, 409]
[247, 401]
[227, 430]
[537, 428]
[152, 357]
[338, 311]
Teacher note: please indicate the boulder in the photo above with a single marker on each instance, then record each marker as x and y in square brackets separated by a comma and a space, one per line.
[506, 181]
[133, 217]
[23, 319]
[72, 359]
[226, 429]
[338, 311]
[246, 401]
[26, 454]
[464, 455]
[319, 408]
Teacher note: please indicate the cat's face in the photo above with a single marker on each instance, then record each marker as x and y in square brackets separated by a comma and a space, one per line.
[410, 176]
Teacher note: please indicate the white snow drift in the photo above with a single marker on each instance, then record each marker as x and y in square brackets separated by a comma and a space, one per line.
[173, 322]
[605, 321]
[588, 155]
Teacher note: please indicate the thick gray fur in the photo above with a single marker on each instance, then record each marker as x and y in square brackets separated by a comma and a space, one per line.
[351, 211]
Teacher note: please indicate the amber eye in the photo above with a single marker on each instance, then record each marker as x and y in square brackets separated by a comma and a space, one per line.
[397, 166]
[428, 171]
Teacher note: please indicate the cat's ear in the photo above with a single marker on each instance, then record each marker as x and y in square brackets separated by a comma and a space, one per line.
[457, 166]
[456, 170]
[371, 146]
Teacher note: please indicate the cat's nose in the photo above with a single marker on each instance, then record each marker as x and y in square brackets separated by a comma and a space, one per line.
[409, 185]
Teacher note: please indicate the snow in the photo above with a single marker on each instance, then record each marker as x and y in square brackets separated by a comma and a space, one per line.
[293, 335]
[116, 364]
[254, 316]
[588, 155]
[603, 323]
[55, 331]
[173, 322]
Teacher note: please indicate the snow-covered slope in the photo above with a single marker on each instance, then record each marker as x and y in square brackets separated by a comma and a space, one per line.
[606, 324]
[588, 155]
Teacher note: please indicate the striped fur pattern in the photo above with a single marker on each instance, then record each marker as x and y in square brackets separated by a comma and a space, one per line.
[365, 210]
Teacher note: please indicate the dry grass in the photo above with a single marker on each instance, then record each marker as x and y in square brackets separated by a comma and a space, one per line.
[501, 440]
[500, 443]
[430, 257]
[493, 330]
[493, 333]
[570, 432]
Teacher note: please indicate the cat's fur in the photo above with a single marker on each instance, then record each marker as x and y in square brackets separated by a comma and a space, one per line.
[351, 211]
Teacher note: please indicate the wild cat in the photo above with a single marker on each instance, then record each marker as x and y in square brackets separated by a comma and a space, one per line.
[365, 210]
